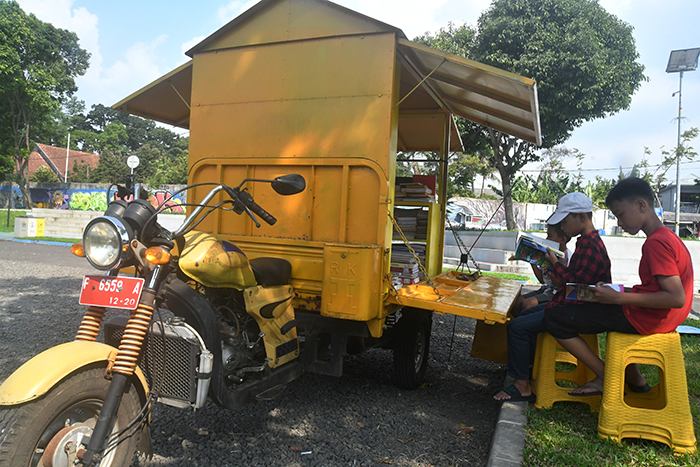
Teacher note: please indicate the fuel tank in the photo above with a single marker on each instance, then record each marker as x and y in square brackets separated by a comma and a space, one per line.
[215, 262]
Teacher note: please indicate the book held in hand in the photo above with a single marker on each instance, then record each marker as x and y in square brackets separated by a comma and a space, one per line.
[532, 250]
[585, 292]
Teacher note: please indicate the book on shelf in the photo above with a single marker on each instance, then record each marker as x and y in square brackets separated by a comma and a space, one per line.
[584, 292]
[532, 250]
[413, 191]
[404, 268]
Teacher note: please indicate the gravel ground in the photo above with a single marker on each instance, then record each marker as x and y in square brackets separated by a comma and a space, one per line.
[359, 419]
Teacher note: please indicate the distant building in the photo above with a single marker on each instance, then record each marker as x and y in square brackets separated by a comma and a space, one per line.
[690, 207]
[55, 159]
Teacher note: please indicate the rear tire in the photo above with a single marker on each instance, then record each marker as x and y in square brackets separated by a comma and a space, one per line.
[411, 348]
[25, 430]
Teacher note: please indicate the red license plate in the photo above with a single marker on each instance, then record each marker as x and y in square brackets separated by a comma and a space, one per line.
[111, 291]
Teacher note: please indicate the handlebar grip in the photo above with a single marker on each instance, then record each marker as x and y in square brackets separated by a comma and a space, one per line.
[247, 200]
[264, 215]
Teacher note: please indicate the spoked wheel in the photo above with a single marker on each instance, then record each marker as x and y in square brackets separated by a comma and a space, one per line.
[49, 432]
[411, 346]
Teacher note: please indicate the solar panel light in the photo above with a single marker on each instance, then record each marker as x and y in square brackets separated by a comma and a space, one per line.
[683, 60]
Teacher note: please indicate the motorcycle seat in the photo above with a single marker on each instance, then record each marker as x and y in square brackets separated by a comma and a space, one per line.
[271, 271]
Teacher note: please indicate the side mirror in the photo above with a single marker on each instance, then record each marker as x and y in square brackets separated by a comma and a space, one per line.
[289, 184]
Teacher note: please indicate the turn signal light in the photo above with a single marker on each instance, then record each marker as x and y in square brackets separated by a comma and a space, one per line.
[157, 255]
[77, 249]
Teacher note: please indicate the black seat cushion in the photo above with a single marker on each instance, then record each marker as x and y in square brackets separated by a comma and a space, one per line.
[271, 271]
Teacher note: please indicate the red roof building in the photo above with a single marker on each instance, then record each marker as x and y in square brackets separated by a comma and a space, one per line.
[55, 159]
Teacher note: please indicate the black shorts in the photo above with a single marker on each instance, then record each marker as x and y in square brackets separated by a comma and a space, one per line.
[567, 321]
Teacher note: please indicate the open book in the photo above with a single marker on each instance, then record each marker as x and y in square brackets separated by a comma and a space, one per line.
[533, 249]
[584, 291]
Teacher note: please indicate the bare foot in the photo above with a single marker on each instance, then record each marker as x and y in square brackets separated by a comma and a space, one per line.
[594, 386]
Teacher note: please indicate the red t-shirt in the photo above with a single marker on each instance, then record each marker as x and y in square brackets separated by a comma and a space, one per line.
[663, 254]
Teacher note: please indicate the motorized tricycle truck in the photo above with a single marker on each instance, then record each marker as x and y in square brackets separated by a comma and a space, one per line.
[298, 111]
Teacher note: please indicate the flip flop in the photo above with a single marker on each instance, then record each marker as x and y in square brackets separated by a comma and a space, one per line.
[598, 390]
[639, 389]
[516, 396]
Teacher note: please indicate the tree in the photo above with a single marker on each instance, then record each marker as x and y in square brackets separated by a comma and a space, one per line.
[44, 175]
[657, 178]
[583, 58]
[38, 64]
[112, 168]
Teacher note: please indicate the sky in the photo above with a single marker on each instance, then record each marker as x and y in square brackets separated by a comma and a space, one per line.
[135, 42]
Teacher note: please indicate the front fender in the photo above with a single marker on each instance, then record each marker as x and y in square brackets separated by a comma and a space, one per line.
[36, 377]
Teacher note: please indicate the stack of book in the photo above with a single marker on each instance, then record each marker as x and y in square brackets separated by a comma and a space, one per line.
[407, 221]
[403, 263]
[405, 273]
[422, 224]
[413, 191]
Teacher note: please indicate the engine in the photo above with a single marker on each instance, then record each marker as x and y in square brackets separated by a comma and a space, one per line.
[242, 348]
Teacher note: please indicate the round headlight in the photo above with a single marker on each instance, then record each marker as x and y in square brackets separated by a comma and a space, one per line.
[104, 241]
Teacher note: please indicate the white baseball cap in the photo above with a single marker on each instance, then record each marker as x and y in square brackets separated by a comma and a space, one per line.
[571, 203]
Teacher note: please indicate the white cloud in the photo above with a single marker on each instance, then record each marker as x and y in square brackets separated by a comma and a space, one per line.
[231, 10]
[79, 20]
[191, 43]
[136, 68]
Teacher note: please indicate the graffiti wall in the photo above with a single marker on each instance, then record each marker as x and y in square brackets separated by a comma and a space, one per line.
[88, 197]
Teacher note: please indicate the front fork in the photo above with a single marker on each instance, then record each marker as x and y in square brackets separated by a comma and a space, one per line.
[124, 366]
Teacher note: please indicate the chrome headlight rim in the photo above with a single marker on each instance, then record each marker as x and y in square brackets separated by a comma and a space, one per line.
[122, 233]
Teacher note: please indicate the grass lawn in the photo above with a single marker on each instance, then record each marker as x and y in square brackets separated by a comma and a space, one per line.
[567, 433]
[3, 220]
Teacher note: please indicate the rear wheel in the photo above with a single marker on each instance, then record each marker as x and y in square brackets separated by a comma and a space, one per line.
[411, 346]
[55, 425]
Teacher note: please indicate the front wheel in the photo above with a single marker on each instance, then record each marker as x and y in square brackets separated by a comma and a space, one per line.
[411, 346]
[56, 425]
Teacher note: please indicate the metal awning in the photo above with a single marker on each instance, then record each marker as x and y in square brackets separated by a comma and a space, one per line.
[165, 100]
[483, 94]
[425, 130]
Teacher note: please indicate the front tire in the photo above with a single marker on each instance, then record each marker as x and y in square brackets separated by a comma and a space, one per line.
[27, 429]
[411, 347]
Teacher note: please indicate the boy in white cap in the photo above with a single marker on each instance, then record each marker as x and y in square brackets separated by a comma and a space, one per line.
[589, 264]
[658, 305]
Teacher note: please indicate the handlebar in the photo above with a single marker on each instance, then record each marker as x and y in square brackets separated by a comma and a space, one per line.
[247, 200]
[242, 200]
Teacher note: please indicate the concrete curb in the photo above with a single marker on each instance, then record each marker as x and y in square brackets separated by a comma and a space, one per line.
[41, 242]
[509, 437]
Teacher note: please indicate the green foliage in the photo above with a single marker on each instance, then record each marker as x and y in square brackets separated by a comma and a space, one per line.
[8, 224]
[112, 168]
[657, 178]
[600, 190]
[38, 64]
[80, 173]
[583, 58]
[457, 40]
[462, 172]
[44, 175]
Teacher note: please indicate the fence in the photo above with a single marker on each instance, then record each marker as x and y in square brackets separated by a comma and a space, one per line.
[85, 196]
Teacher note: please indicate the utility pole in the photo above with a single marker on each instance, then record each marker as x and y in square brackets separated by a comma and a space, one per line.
[680, 61]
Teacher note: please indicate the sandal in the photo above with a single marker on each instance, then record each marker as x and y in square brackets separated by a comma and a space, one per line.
[516, 396]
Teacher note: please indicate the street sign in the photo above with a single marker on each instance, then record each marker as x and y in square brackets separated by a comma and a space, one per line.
[132, 162]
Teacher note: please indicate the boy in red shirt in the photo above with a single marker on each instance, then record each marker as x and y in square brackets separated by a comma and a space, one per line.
[658, 305]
